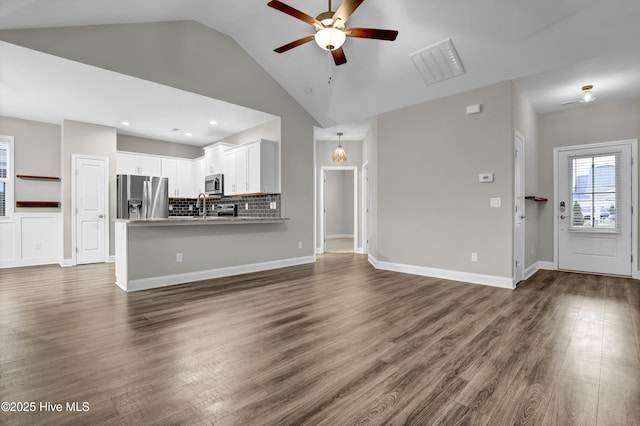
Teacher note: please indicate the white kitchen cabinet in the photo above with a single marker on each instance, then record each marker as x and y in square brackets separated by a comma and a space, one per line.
[252, 168]
[199, 174]
[180, 175]
[214, 158]
[138, 164]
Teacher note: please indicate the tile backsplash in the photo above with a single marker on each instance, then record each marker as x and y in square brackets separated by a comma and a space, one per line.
[248, 205]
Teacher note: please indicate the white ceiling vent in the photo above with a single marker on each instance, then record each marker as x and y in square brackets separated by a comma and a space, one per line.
[438, 62]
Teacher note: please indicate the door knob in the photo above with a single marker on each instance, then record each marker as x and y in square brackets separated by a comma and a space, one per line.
[522, 217]
[100, 216]
[563, 216]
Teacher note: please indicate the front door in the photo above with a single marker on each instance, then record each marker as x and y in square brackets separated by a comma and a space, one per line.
[91, 206]
[595, 209]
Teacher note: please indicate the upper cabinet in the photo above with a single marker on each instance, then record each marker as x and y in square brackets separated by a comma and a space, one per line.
[138, 164]
[252, 168]
[214, 158]
[181, 177]
[199, 173]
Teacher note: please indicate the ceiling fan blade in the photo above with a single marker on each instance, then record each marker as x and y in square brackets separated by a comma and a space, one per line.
[338, 56]
[569, 102]
[346, 9]
[389, 35]
[293, 44]
[284, 8]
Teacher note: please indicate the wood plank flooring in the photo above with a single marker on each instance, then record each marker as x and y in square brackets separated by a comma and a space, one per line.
[331, 343]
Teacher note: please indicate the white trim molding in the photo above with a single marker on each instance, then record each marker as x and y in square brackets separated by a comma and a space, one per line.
[155, 282]
[468, 277]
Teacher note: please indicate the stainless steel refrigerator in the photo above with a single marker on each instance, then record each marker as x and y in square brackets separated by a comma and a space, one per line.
[142, 197]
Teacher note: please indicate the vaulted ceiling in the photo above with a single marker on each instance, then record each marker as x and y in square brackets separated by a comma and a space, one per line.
[550, 48]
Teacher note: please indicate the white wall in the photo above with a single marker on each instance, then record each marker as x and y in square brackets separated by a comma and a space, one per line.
[156, 147]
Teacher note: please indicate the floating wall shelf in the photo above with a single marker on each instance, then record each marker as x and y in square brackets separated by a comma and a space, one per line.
[34, 177]
[38, 204]
[535, 198]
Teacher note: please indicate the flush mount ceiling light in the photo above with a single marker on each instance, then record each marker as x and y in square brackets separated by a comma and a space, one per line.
[330, 28]
[126, 123]
[339, 155]
[213, 122]
[586, 98]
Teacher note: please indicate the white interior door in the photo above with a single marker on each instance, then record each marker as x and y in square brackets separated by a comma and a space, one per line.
[519, 220]
[91, 210]
[595, 209]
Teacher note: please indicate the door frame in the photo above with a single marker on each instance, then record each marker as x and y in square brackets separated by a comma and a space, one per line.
[519, 250]
[323, 214]
[74, 205]
[635, 273]
[366, 199]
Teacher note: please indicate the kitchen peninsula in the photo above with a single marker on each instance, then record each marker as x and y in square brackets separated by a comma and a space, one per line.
[154, 253]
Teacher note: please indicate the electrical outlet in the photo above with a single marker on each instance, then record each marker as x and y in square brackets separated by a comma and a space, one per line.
[272, 205]
[170, 207]
[299, 244]
[178, 257]
[474, 257]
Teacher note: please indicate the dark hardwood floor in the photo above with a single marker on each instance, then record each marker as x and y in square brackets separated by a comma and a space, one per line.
[332, 343]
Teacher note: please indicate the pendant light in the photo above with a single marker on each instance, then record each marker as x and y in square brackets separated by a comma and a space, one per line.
[339, 155]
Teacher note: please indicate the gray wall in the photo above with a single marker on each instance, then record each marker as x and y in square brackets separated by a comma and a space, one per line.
[271, 131]
[432, 211]
[370, 158]
[598, 122]
[339, 202]
[158, 147]
[87, 139]
[37, 152]
[193, 57]
[525, 121]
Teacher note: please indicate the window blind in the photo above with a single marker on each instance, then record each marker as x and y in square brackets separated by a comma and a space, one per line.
[595, 183]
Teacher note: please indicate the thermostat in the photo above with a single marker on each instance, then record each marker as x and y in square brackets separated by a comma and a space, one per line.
[485, 177]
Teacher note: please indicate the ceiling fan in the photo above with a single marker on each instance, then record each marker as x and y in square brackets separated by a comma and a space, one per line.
[331, 31]
[587, 97]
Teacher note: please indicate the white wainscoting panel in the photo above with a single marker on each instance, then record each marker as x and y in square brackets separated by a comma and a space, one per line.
[8, 242]
[31, 239]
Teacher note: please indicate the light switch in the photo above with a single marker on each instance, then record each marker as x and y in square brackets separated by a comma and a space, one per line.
[496, 202]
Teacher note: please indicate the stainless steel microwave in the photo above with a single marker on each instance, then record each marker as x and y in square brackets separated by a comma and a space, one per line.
[214, 184]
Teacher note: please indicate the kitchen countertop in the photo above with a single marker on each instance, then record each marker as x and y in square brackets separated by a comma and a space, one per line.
[209, 220]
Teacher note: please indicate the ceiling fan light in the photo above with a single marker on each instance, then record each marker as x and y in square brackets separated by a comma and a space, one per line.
[587, 97]
[330, 38]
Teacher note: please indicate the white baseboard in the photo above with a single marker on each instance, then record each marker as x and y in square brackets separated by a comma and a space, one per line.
[359, 250]
[489, 280]
[547, 266]
[155, 282]
[112, 259]
[532, 269]
[319, 250]
[333, 237]
[66, 263]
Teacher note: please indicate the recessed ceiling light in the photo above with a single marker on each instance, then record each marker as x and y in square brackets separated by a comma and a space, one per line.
[126, 123]
[213, 122]
[188, 134]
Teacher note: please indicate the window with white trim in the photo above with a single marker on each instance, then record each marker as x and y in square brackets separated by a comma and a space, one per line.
[6, 176]
[595, 180]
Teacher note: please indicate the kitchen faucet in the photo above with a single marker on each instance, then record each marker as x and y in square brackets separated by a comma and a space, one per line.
[204, 204]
